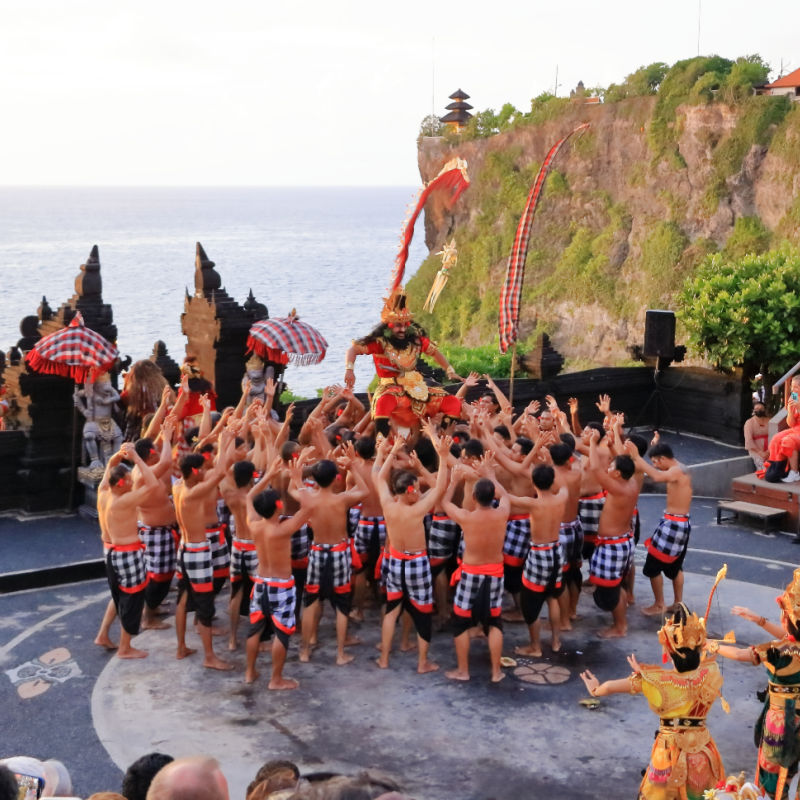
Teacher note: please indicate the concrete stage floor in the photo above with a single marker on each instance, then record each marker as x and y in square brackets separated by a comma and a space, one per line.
[63, 697]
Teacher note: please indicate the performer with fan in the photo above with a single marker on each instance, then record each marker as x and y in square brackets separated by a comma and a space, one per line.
[684, 762]
[402, 396]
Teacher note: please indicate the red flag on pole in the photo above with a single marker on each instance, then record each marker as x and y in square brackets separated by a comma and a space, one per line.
[512, 286]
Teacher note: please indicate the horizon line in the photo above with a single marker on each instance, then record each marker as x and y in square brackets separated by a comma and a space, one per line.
[201, 186]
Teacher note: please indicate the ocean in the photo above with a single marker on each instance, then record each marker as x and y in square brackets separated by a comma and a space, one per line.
[328, 252]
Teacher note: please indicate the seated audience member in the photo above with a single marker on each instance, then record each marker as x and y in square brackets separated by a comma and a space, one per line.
[140, 774]
[756, 435]
[196, 778]
[272, 777]
[783, 449]
[9, 788]
[47, 778]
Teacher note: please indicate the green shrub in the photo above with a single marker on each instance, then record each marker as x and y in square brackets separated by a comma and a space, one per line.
[748, 236]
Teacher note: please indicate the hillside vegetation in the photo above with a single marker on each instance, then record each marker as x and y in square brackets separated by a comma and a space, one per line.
[679, 163]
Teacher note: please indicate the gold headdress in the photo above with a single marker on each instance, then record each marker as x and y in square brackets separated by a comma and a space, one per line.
[395, 309]
[254, 362]
[691, 631]
[789, 601]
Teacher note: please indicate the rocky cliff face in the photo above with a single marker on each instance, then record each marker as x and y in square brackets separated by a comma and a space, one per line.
[618, 229]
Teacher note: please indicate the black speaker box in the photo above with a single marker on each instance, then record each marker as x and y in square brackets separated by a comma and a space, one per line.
[659, 333]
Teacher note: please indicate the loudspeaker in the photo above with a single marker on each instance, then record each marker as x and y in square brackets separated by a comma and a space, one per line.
[659, 333]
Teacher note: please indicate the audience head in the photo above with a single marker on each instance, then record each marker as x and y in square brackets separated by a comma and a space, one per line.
[48, 778]
[9, 788]
[272, 777]
[140, 773]
[197, 778]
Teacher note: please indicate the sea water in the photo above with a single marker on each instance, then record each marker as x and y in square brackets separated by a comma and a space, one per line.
[327, 252]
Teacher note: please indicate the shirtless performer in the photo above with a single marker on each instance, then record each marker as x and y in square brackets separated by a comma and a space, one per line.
[593, 496]
[569, 475]
[244, 559]
[409, 585]
[272, 607]
[330, 562]
[479, 594]
[543, 572]
[195, 497]
[666, 549]
[370, 530]
[117, 501]
[613, 553]
[158, 525]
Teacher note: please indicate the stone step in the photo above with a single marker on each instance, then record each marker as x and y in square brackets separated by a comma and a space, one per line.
[777, 496]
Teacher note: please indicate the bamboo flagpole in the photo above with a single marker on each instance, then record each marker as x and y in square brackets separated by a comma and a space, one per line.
[512, 286]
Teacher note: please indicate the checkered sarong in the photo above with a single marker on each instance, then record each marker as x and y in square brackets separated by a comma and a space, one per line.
[274, 597]
[443, 539]
[195, 564]
[670, 538]
[409, 575]
[353, 516]
[518, 539]
[611, 559]
[333, 559]
[570, 534]
[301, 544]
[244, 559]
[160, 550]
[543, 567]
[589, 510]
[370, 535]
[126, 561]
[469, 587]
[220, 556]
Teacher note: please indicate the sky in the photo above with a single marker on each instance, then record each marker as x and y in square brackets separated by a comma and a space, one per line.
[314, 93]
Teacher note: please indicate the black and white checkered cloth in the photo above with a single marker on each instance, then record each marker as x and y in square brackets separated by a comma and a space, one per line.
[518, 540]
[670, 537]
[244, 559]
[195, 564]
[409, 575]
[333, 560]
[543, 566]
[160, 549]
[219, 551]
[469, 587]
[276, 598]
[570, 534]
[301, 544]
[353, 516]
[224, 515]
[589, 510]
[370, 535]
[127, 563]
[443, 538]
[611, 559]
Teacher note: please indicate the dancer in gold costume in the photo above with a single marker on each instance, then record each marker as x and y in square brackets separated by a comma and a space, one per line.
[777, 732]
[684, 761]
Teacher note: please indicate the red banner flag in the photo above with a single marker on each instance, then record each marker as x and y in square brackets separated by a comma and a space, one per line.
[512, 286]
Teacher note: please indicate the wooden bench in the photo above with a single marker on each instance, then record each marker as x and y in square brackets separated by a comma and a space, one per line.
[765, 513]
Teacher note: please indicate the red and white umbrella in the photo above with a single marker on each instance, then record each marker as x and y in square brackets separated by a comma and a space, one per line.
[73, 352]
[287, 339]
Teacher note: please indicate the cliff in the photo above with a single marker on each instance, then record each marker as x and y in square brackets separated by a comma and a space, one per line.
[629, 210]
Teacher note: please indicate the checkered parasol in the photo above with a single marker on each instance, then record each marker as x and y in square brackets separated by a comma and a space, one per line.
[287, 339]
[73, 352]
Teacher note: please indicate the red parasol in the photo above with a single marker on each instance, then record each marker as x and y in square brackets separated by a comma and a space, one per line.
[73, 352]
[287, 339]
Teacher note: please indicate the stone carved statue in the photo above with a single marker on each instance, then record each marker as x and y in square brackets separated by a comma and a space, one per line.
[101, 435]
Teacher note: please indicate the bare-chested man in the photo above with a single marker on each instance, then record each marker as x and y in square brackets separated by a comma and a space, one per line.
[409, 585]
[195, 497]
[666, 549]
[272, 607]
[244, 559]
[479, 594]
[593, 495]
[158, 525]
[117, 501]
[613, 554]
[543, 572]
[569, 475]
[330, 561]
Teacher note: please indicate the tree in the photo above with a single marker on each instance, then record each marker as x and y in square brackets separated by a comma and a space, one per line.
[430, 126]
[746, 312]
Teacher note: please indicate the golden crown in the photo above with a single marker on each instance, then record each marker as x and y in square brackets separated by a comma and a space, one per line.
[690, 633]
[789, 601]
[395, 309]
